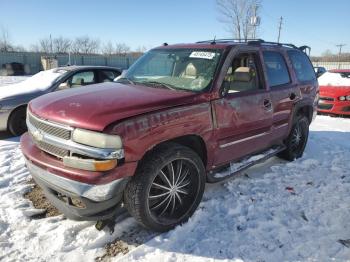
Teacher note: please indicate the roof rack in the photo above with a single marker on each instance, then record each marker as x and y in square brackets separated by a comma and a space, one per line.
[256, 42]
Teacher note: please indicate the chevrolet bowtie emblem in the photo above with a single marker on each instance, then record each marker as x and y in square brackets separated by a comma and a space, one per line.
[38, 135]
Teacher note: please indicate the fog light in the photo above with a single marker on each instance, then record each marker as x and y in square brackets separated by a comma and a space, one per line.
[348, 97]
[342, 98]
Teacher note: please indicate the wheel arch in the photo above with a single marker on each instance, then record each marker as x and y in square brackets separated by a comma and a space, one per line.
[13, 111]
[194, 142]
[303, 109]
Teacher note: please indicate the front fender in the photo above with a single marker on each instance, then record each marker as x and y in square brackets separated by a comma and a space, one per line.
[140, 134]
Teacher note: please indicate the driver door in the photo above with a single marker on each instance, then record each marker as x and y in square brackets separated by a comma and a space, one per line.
[244, 114]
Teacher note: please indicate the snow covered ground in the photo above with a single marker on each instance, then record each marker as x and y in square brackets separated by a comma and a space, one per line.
[275, 211]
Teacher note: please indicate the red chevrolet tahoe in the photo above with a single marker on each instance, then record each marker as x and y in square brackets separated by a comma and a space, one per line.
[180, 115]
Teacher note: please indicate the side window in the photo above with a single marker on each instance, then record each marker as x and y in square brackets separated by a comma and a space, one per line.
[243, 74]
[302, 66]
[276, 68]
[83, 78]
[107, 75]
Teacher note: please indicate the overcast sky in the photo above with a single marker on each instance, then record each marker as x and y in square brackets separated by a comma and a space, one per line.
[319, 23]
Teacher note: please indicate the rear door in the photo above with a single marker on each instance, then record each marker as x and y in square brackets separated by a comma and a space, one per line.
[284, 92]
[244, 114]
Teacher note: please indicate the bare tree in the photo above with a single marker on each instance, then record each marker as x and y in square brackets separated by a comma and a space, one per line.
[236, 15]
[45, 45]
[121, 49]
[85, 45]
[61, 45]
[108, 49]
[5, 43]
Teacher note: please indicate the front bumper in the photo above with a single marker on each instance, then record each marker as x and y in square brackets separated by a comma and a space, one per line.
[334, 107]
[68, 196]
[79, 194]
[4, 116]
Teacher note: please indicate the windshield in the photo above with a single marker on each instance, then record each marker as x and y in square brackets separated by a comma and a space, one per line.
[44, 79]
[178, 69]
[334, 79]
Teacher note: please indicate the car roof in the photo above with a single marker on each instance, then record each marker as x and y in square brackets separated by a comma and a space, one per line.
[77, 67]
[227, 43]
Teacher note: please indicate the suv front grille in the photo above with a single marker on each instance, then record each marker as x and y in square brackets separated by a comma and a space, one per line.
[49, 128]
[52, 150]
[52, 129]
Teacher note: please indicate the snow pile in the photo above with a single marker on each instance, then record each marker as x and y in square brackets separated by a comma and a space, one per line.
[275, 211]
[7, 80]
[39, 82]
[333, 79]
[278, 211]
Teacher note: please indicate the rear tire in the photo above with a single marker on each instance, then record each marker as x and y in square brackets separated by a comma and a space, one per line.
[297, 139]
[17, 121]
[167, 187]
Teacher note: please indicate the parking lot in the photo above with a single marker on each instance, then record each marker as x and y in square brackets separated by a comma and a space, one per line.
[275, 210]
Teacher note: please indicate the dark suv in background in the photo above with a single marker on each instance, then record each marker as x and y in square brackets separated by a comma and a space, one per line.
[178, 116]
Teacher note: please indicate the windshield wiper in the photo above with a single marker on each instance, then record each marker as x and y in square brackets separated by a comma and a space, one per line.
[155, 83]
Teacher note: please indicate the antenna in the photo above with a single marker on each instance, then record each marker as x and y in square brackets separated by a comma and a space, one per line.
[279, 29]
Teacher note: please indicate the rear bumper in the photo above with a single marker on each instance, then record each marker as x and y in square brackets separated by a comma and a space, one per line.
[79, 194]
[334, 107]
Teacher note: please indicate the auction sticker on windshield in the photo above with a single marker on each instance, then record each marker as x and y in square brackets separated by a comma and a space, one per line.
[204, 55]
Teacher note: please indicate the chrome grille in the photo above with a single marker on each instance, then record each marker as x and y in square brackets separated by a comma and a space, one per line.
[49, 128]
[52, 150]
[43, 127]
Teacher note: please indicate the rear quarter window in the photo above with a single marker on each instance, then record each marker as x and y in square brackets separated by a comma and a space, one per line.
[276, 69]
[302, 66]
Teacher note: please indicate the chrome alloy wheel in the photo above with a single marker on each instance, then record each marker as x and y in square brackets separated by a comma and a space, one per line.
[173, 190]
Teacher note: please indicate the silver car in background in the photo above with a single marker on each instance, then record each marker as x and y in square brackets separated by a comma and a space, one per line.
[14, 98]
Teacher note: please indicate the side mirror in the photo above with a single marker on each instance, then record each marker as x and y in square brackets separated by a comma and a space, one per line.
[121, 75]
[225, 88]
[63, 86]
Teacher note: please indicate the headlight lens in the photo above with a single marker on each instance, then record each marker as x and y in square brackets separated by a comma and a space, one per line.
[95, 139]
[342, 98]
[348, 97]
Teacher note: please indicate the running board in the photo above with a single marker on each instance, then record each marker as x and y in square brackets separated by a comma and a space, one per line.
[237, 167]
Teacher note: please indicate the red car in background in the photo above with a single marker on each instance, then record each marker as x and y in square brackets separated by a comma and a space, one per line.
[335, 92]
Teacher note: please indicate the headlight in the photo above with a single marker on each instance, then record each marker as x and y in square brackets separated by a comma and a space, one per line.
[348, 97]
[95, 139]
[342, 98]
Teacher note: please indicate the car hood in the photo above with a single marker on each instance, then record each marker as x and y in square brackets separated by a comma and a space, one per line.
[94, 107]
[334, 91]
[19, 89]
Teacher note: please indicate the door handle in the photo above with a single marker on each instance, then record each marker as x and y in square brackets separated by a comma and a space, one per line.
[292, 96]
[267, 104]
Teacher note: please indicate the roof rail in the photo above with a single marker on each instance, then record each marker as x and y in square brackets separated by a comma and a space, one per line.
[303, 48]
[228, 40]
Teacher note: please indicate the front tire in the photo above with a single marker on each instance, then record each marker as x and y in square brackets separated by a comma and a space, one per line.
[297, 139]
[167, 187]
[17, 121]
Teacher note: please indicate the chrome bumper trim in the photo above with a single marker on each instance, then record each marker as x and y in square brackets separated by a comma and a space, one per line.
[73, 147]
[92, 192]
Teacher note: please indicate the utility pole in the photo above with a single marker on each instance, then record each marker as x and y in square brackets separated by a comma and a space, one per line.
[254, 21]
[339, 54]
[279, 29]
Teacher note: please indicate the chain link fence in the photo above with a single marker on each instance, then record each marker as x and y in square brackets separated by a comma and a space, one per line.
[32, 61]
